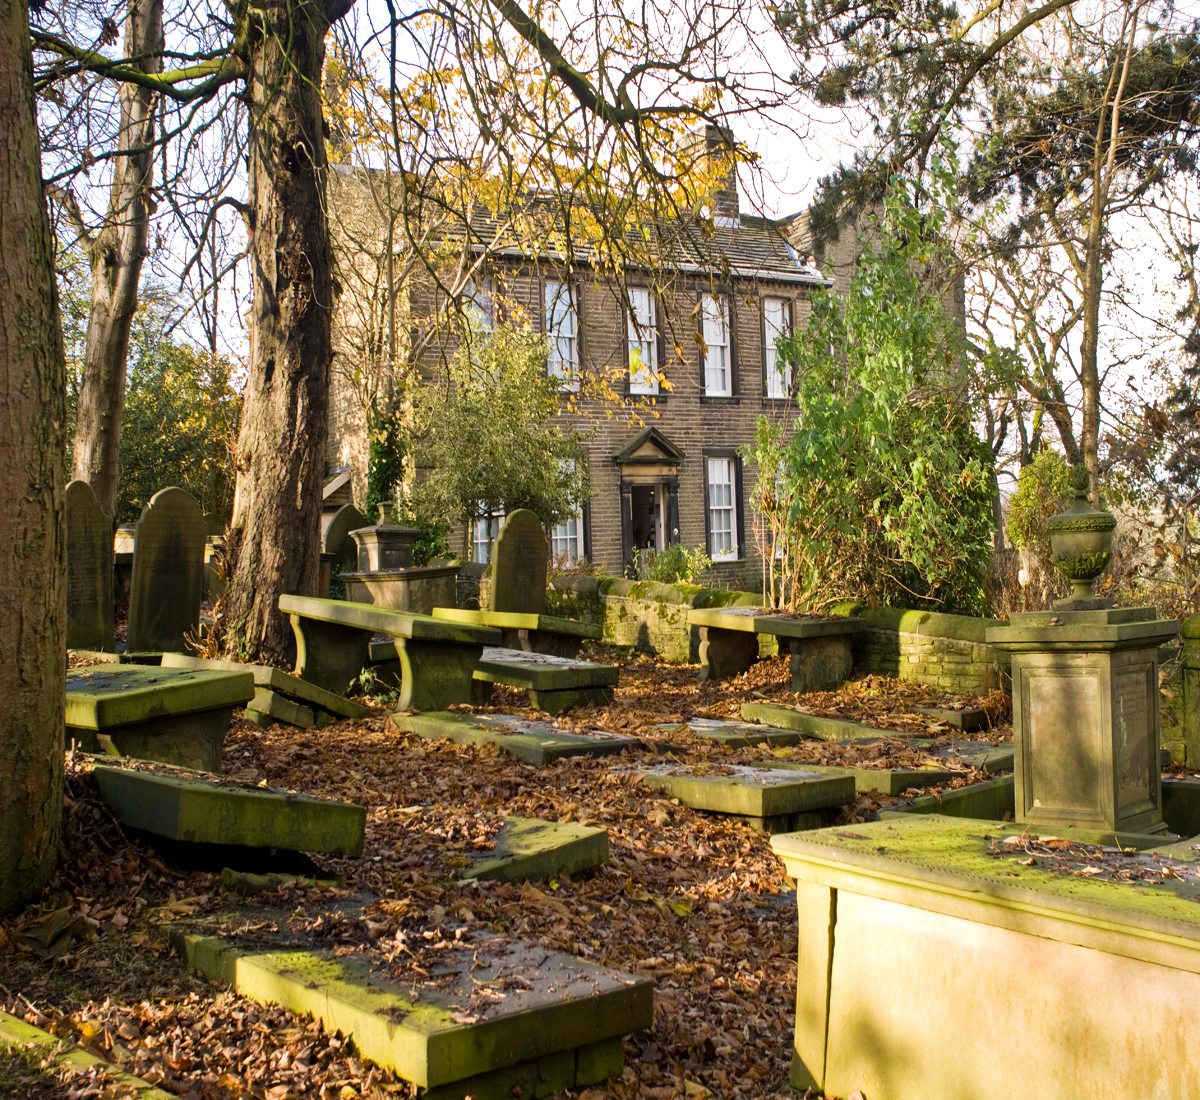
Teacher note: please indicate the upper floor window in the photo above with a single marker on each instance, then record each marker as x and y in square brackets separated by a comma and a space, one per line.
[643, 342]
[775, 325]
[718, 370]
[561, 322]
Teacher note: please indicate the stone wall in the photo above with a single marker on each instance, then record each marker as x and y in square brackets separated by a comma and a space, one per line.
[943, 651]
[652, 618]
[947, 652]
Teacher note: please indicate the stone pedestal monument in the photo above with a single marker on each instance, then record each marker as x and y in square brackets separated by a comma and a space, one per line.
[1086, 724]
[386, 575]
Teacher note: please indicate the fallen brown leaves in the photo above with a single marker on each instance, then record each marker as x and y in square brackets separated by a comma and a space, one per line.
[696, 902]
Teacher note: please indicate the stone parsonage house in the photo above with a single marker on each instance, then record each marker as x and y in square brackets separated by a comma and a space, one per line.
[665, 464]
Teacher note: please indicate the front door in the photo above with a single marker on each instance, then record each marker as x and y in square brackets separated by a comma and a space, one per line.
[647, 518]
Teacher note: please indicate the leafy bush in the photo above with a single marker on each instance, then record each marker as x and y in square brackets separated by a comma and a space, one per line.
[1043, 490]
[675, 565]
[883, 492]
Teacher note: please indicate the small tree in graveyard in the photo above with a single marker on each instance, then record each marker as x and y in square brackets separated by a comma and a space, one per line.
[486, 444]
[883, 490]
[32, 563]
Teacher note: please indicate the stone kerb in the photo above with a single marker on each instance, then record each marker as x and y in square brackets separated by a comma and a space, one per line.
[89, 570]
[519, 565]
[168, 572]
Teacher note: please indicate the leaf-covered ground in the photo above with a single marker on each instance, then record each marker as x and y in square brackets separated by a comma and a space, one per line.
[694, 901]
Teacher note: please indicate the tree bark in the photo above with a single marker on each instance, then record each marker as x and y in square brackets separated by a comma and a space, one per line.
[281, 449]
[115, 255]
[32, 560]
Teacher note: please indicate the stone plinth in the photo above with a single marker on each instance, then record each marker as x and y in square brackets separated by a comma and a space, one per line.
[420, 588]
[384, 546]
[1086, 723]
[941, 959]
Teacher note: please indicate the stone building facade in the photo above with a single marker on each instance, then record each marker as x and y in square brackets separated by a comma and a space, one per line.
[673, 372]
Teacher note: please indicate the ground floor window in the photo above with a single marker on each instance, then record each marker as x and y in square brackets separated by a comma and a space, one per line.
[722, 509]
[484, 530]
[566, 540]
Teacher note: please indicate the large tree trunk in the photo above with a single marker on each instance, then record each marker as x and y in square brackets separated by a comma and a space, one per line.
[115, 255]
[281, 449]
[32, 561]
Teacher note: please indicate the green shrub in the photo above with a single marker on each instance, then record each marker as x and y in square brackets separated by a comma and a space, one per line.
[674, 565]
[1043, 490]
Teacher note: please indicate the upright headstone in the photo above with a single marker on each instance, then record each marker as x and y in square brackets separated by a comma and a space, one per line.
[519, 565]
[168, 572]
[337, 537]
[89, 570]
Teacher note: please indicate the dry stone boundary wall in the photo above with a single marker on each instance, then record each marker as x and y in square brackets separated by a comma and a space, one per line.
[942, 651]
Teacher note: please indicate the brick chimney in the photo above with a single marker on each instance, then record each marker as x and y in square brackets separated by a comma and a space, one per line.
[712, 148]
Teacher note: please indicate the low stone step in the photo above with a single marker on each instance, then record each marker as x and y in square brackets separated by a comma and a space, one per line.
[274, 679]
[766, 795]
[173, 716]
[536, 743]
[55, 1053]
[528, 849]
[553, 1021]
[195, 811]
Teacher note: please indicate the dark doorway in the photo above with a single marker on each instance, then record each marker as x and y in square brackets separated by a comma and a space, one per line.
[647, 517]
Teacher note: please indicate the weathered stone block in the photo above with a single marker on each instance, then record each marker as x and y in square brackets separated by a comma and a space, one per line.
[195, 811]
[168, 573]
[761, 792]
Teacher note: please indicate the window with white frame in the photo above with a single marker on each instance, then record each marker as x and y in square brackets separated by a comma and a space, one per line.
[562, 331]
[722, 509]
[718, 372]
[484, 530]
[775, 326]
[478, 304]
[566, 539]
[643, 342]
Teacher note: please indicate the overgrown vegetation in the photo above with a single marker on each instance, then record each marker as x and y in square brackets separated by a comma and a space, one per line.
[883, 490]
[182, 408]
[486, 437]
[675, 565]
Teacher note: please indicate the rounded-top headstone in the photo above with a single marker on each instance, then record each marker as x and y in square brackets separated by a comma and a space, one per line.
[168, 572]
[89, 570]
[519, 565]
[338, 541]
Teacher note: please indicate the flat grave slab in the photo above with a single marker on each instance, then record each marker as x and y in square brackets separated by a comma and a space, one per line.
[494, 1016]
[814, 725]
[174, 716]
[734, 735]
[54, 1052]
[530, 850]
[196, 811]
[771, 797]
[885, 781]
[967, 719]
[1097, 951]
[992, 800]
[274, 679]
[536, 743]
[553, 684]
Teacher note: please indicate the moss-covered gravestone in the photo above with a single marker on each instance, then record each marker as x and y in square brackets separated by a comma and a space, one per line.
[168, 572]
[89, 570]
[519, 565]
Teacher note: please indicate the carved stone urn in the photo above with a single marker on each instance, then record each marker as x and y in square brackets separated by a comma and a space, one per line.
[1081, 540]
